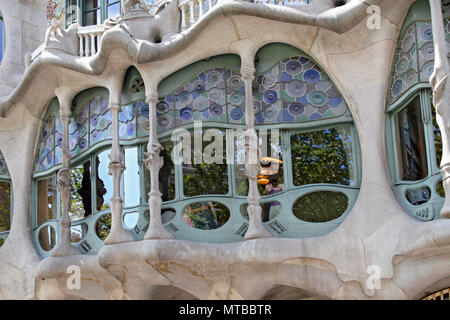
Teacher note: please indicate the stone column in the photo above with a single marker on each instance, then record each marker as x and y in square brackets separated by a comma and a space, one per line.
[154, 163]
[64, 246]
[441, 96]
[252, 167]
[116, 167]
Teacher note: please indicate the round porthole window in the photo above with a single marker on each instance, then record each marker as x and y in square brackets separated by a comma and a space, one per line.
[269, 210]
[206, 215]
[78, 232]
[103, 226]
[47, 238]
[320, 206]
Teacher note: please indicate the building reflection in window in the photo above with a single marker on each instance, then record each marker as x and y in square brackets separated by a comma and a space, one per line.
[47, 199]
[410, 141]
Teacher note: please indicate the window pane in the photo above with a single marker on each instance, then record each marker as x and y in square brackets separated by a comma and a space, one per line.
[92, 18]
[47, 238]
[2, 32]
[323, 156]
[91, 4]
[410, 142]
[320, 206]
[5, 206]
[270, 178]
[207, 178]
[114, 10]
[166, 174]
[47, 199]
[437, 136]
[104, 181]
[131, 177]
[81, 191]
[206, 215]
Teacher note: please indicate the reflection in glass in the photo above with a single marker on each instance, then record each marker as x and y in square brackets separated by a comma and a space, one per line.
[81, 191]
[92, 18]
[5, 206]
[104, 182]
[2, 241]
[320, 206]
[130, 219]
[167, 215]
[269, 210]
[418, 196]
[77, 233]
[113, 9]
[206, 215]
[207, 178]
[47, 238]
[131, 177]
[323, 156]
[440, 189]
[103, 226]
[270, 179]
[166, 174]
[437, 136]
[410, 143]
[47, 199]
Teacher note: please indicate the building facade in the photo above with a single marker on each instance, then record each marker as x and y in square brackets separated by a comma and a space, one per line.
[224, 149]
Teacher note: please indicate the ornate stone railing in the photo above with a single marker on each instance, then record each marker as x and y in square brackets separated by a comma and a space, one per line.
[193, 10]
[89, 39]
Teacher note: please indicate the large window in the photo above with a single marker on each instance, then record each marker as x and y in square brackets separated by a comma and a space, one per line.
[308, 178]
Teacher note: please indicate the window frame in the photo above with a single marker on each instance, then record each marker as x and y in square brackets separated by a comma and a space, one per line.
[103, 7]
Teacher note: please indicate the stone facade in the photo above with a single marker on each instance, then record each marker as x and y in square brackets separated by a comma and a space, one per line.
[48, 69]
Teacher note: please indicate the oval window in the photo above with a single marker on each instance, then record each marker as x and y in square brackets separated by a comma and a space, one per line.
[77, 233]
[440, 189]
[269, 210]
[131, 219]
[320, 206]
[206, 215]
[418, 196]
[47, 238]
[167, 214]
[103, 226]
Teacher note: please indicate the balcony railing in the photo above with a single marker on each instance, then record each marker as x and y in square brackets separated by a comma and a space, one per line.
[89, 39]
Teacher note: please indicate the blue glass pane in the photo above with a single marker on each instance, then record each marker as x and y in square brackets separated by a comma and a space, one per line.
[114, 10]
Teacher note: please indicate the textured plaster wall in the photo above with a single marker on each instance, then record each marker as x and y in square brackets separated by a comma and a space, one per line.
[413, 256]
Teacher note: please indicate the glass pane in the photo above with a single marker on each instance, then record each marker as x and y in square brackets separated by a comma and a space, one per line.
[92, 18]
[324, 156]
[437, 136]
[77, 233]
[207, 178]
[206, 215]
[81, 191]
[5, 206]
[130, 219]
[91, 4]
[410, 142]
[166, 174]
[239, 164]
[270, 178]
[167, 214]
[131, 177]
[104, 181]
[47, 238]
[418, 196]
[47, 199]
[269, 210]
[103, 226]
[320, 206]
[2, 32]
[440, 189]
[114, 10]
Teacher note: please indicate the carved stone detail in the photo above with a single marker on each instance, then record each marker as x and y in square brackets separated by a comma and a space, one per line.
[252, 167]
[154, 163]
[116, 167]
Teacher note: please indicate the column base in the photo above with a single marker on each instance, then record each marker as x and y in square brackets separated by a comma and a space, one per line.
[118, 236]
[257, 232]
[156, 232]
[64, 250]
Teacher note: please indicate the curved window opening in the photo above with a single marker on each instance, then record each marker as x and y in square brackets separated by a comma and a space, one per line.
[320, 206]
[206, 215]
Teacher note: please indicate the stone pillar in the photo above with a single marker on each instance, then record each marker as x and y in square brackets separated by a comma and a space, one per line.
[116, 167]
[154, 163]
[252, 167]
[441, 96]
[64, 246]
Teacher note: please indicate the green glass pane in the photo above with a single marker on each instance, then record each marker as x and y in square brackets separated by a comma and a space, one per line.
[320, 206]
[103, 226]
[5, 206]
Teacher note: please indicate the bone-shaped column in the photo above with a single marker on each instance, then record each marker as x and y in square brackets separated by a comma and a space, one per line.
[116, 167]
[64, 246]
[441, 96]
[154, 163]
